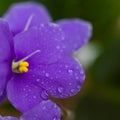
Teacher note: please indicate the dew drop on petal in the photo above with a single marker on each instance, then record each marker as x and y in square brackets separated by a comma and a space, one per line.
[70, 71]
[55, 106]
[70, 84]
[44, 107]
[47, 74]
[60, 89]
[44, 95]
[81, 72]
[37, 79]
[58, 47]
[54, 118]
[72, 90]
[42, 82]
[78, 86]
[34, 97]
[24, 89]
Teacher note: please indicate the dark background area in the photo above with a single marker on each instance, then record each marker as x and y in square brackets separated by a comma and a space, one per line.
[99, 98]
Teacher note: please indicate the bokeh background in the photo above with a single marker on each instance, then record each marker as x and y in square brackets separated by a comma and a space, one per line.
[99, 98]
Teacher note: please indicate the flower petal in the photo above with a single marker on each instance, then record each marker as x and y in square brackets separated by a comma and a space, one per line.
[6, 53]
[21, 92]
[46, 110]
[2, 97]
[77, 32]
[61, 79]
[18, 15]
[8, 118]
[48, 38]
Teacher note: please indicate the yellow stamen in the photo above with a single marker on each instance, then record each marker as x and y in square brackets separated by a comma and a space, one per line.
[26, 64]
[23, 67]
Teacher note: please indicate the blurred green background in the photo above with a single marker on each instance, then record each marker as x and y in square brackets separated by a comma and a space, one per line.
[99, 98]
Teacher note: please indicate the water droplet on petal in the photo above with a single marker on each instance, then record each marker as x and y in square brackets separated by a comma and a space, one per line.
[70, 71]
[70, 84]
[60, 89]
[78, 86]
[58, 47]
[44, 95]
[47, 74]
[72, 90]
[81, 72]
[66, 66]
[24, 89]
[34, 97]
[37, 80]
[42, 82]
[55, 106]
[55, 118]
[44, 107]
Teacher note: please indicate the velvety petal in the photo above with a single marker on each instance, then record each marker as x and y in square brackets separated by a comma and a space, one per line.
[6, 53]
[46, 110]
[2, 97]
[48, 38]
[21, 92]
[77, 32]
[8, 118]
[19, 13]
[61, 79]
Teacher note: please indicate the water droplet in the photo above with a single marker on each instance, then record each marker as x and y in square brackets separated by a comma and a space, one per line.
[44, 107]
[24, 89]
[55, 118]
[42, 82]
[29, 90]
[47, 74]
[55, 106]
[70, 84]
[77, 77]
[44, 95]
[59, 71]
[72, 90]
[58, 47]
[34, 97]
[81, 72]
[78, 86]
[66, 66]
[37, 80]
[60, 89]
[70, 72]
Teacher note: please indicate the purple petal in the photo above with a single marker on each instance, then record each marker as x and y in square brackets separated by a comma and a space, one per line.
[48, 38]
[46, 110]
[6, 53]
[18, 15]
[77, 32]
[21, 92]
[61, 79]
[2, 97]
[8, 118]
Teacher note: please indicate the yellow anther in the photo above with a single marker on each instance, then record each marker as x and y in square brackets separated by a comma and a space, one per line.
[25, 64]
[23, 69]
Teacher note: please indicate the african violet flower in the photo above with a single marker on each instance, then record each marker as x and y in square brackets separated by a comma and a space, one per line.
[41, 62]
[45, 110]
[19, 14]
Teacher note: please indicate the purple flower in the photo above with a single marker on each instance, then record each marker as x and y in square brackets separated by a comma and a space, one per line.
[45, 110]
[39, 62]
[19, 14]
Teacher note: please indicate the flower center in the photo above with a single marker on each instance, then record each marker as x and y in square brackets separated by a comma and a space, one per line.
[22, 65]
